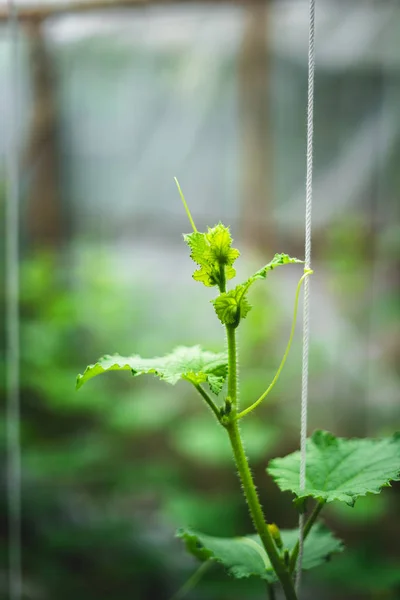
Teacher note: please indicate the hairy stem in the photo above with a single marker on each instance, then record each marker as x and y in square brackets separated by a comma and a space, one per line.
[209, 400]
[222, 279]
[307, 528]
[256, 512]
[246, 477]
[232, 365]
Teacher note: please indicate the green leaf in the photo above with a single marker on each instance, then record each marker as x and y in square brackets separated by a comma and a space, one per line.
[192, 364]
[233, 305]
[220, 244]
[340, 469]
[246, 557]
[197, 243]
[212, 251]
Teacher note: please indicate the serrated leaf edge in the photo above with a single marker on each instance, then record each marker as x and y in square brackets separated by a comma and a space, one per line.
[347, 497]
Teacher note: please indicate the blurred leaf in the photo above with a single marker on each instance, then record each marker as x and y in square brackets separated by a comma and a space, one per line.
[367, 509]
[362, 572]
[68, 460]
[202, 438]
[202, 511]
[246, 557]
[340, 469]
[145, 411]
[192, 364]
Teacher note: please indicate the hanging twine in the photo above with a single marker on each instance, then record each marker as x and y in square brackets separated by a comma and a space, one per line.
[12, 317]
[306, 309]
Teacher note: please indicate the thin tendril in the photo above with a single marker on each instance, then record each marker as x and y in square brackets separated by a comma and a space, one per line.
[192, 581]
[185, 205]
[275, 379]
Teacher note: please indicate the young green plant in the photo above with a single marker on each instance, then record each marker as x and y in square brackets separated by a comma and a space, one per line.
[360, 466]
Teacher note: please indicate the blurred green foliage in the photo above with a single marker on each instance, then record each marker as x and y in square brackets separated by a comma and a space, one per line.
[110, 472]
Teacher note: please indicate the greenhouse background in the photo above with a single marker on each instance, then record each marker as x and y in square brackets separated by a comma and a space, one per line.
[113, 105]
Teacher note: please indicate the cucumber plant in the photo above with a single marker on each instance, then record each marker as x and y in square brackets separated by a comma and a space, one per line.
[338, 470]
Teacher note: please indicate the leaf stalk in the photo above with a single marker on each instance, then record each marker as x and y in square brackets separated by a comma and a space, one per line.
[209, 400]
[307, 528]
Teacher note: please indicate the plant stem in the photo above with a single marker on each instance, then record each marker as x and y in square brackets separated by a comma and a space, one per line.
[232, 365]
[246, 477]
[222, 279]
[256, 513]
[307, 528]
[209, 400]
[192, 581]
[271, 591]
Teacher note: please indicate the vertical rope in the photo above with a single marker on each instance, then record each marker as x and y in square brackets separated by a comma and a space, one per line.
[12, 317]
[306, 309]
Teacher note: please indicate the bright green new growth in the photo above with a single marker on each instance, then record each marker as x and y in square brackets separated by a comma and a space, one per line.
[337, 469]
[233, 305]
[213, 253]
[340, 469]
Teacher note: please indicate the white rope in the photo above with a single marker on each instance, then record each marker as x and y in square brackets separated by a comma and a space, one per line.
[12, 317]
[306, 309]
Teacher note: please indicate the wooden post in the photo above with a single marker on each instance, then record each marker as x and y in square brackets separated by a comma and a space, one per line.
[255, 218]
[43, 224]
[44, 10]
